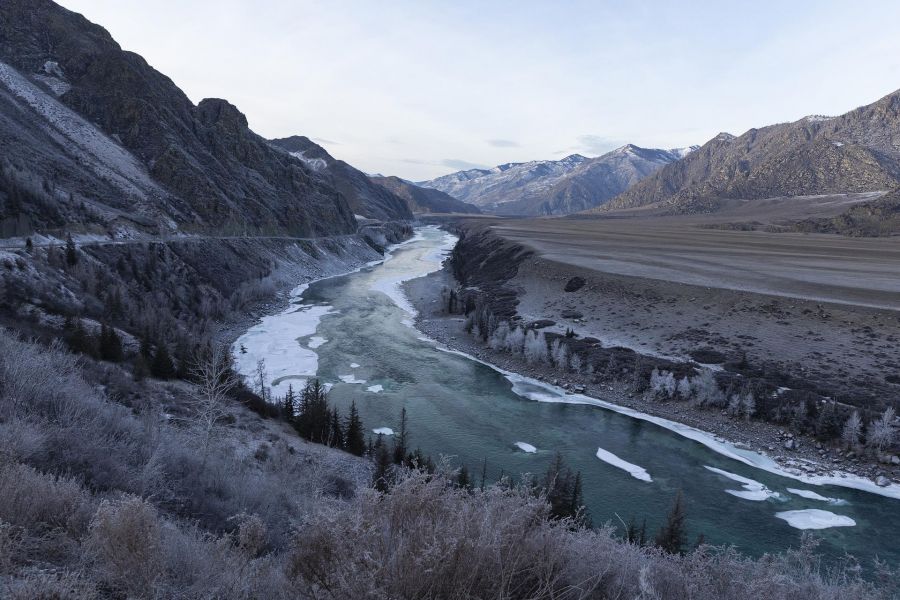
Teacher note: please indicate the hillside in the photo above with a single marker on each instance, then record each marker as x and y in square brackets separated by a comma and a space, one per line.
[97, 140]
[424, 200]
[365, 197]
[855, 152]
[572, 184]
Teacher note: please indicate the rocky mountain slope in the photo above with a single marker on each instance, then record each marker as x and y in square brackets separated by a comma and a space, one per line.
[96, 140]
[365, 197]
[555, 187]
[855, 152]
[424, 200]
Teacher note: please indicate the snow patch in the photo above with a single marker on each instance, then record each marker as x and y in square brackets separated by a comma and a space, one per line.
[814, 518]
[633, 470]
[383, 431]
[316, 164]
[525, 447]
[753, 490]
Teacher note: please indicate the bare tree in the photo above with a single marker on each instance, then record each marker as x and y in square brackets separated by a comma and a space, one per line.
[214, 379]
[259, 380]
[881, 431]
[851, 431]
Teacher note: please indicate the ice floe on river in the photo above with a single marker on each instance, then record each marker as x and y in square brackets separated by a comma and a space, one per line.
[811, 495]
[633, 470]
[375, 388]
[753, 490]
[383, 431]
[351, 379]
[316, 341]
[814, 518]
[525, 447]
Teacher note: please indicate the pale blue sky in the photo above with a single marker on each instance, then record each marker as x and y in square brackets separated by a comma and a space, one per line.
[419, 89]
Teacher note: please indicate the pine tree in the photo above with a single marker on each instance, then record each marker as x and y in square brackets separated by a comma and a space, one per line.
[71, 251]
[289, 405]
[336, 432]
[462, 478]
[314, 420]
[162, 366]
[672, 537]
[401, 440]
[29, 245]
[381, 475]
[110, 344]
[355, 443]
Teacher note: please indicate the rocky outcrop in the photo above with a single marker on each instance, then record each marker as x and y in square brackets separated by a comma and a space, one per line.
[365, 197]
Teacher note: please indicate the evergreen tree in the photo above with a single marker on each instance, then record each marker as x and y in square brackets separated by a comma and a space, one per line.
[401, 440]
[289, 405]
[314, 420]
[462, 478]
[672, 537]
[355, 443]
[381, 475]
[336, 432]
[71, 251]
[110, 344]
[162, 366]
[29, 245]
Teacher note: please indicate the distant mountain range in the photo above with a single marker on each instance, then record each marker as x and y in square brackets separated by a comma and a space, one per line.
[554, 187]
[855, 152]
[423, 200]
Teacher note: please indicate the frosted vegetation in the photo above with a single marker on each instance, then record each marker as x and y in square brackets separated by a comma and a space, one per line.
[741, 398]
[176, 491]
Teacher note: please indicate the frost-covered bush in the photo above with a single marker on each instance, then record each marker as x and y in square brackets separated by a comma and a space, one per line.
[662, 384]
[706, 390]
[515, 341]
[536, 347]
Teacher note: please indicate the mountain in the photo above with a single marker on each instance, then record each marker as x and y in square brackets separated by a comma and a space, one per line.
[599, 179]
[424, 200]
[569, 185]
[490, 188]
[97, 140]
[855, 152]
[366, 198]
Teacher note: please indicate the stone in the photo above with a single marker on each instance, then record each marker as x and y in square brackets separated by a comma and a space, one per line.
[882, 481]
[895, 460]
[789, 445]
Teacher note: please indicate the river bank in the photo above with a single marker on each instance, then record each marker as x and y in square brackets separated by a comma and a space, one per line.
[806, 457]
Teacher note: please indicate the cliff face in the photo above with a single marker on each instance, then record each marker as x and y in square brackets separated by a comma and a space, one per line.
[108, 137]
[365, 197]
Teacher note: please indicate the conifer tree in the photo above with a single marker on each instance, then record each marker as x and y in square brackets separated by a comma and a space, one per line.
[162, 366]
[401, 440]
[381, 475]
[462, 478]
[71, 251]
[355, 443]
[289, 405]
[336, 432]
[110, 344]
[672, 537]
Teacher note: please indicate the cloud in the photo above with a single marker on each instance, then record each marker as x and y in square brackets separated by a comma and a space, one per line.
[597, 144]
[463, 165]
[503, 143]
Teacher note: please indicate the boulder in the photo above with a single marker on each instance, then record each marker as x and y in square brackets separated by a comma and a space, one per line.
[882, 481]
[574, 284]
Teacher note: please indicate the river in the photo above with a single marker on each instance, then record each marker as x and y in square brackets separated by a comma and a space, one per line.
[355, 333]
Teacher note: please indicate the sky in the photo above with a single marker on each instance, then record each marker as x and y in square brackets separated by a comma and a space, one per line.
[424, 88]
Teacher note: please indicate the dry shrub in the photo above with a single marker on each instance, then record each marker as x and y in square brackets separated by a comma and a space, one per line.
[40, 502]
[428, 540]
[125, 543]
[44, 585]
